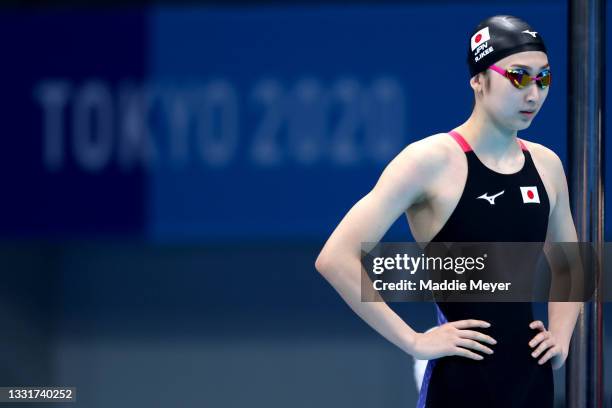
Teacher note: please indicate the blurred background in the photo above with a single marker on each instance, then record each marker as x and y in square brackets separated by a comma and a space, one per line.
[170, 172]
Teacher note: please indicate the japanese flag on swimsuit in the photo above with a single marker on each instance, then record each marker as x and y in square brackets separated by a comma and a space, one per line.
[530, 194]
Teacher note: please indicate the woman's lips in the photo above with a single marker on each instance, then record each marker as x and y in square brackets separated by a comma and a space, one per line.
[528, 113]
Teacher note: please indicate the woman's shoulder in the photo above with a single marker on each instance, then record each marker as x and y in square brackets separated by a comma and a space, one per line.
[545, 156]
[437, 148]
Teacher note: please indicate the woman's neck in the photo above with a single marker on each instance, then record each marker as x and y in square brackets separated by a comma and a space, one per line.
[487, 137]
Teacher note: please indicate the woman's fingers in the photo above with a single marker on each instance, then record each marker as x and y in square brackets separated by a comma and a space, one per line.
[467, 353]
[468, 340]
[474, 335]
[472, 344]
[546, 344]
[553, 351]
[471, 339]
[538, 338]
[468, 323]
[537, 324]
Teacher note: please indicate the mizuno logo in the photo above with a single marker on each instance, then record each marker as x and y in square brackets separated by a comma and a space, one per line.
[531, 33]
[492, 198]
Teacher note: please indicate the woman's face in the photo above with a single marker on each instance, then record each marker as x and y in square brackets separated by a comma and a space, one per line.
[507, 105]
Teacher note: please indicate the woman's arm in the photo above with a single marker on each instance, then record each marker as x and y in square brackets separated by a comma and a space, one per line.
[562, 316]
[401, 185]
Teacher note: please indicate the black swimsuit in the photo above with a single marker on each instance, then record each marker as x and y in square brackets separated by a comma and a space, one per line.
[510, 377]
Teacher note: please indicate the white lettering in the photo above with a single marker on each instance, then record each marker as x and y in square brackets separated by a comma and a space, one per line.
[217, 123]
[53, 96]
[93, 126]
[135, 144]
[489, 286]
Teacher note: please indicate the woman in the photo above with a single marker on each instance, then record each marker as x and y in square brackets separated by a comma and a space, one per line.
[478, 182]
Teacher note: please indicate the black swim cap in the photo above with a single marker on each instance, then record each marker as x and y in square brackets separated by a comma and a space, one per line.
[496, 38]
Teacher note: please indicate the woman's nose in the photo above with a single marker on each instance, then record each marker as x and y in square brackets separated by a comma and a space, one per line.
[533, 93]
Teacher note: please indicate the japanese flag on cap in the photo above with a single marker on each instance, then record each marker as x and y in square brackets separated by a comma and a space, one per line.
[530, 194]
[480, 37]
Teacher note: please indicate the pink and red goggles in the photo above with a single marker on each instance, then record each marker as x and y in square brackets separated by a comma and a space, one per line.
[520, 78]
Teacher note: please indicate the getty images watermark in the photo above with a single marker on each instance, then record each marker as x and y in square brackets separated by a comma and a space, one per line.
[479, 271]
[411, 264]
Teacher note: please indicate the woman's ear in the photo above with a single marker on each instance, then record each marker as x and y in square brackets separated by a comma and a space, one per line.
[477, 82]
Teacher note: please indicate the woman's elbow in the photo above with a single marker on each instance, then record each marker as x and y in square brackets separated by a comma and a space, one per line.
[326, 261]
[322, 264]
